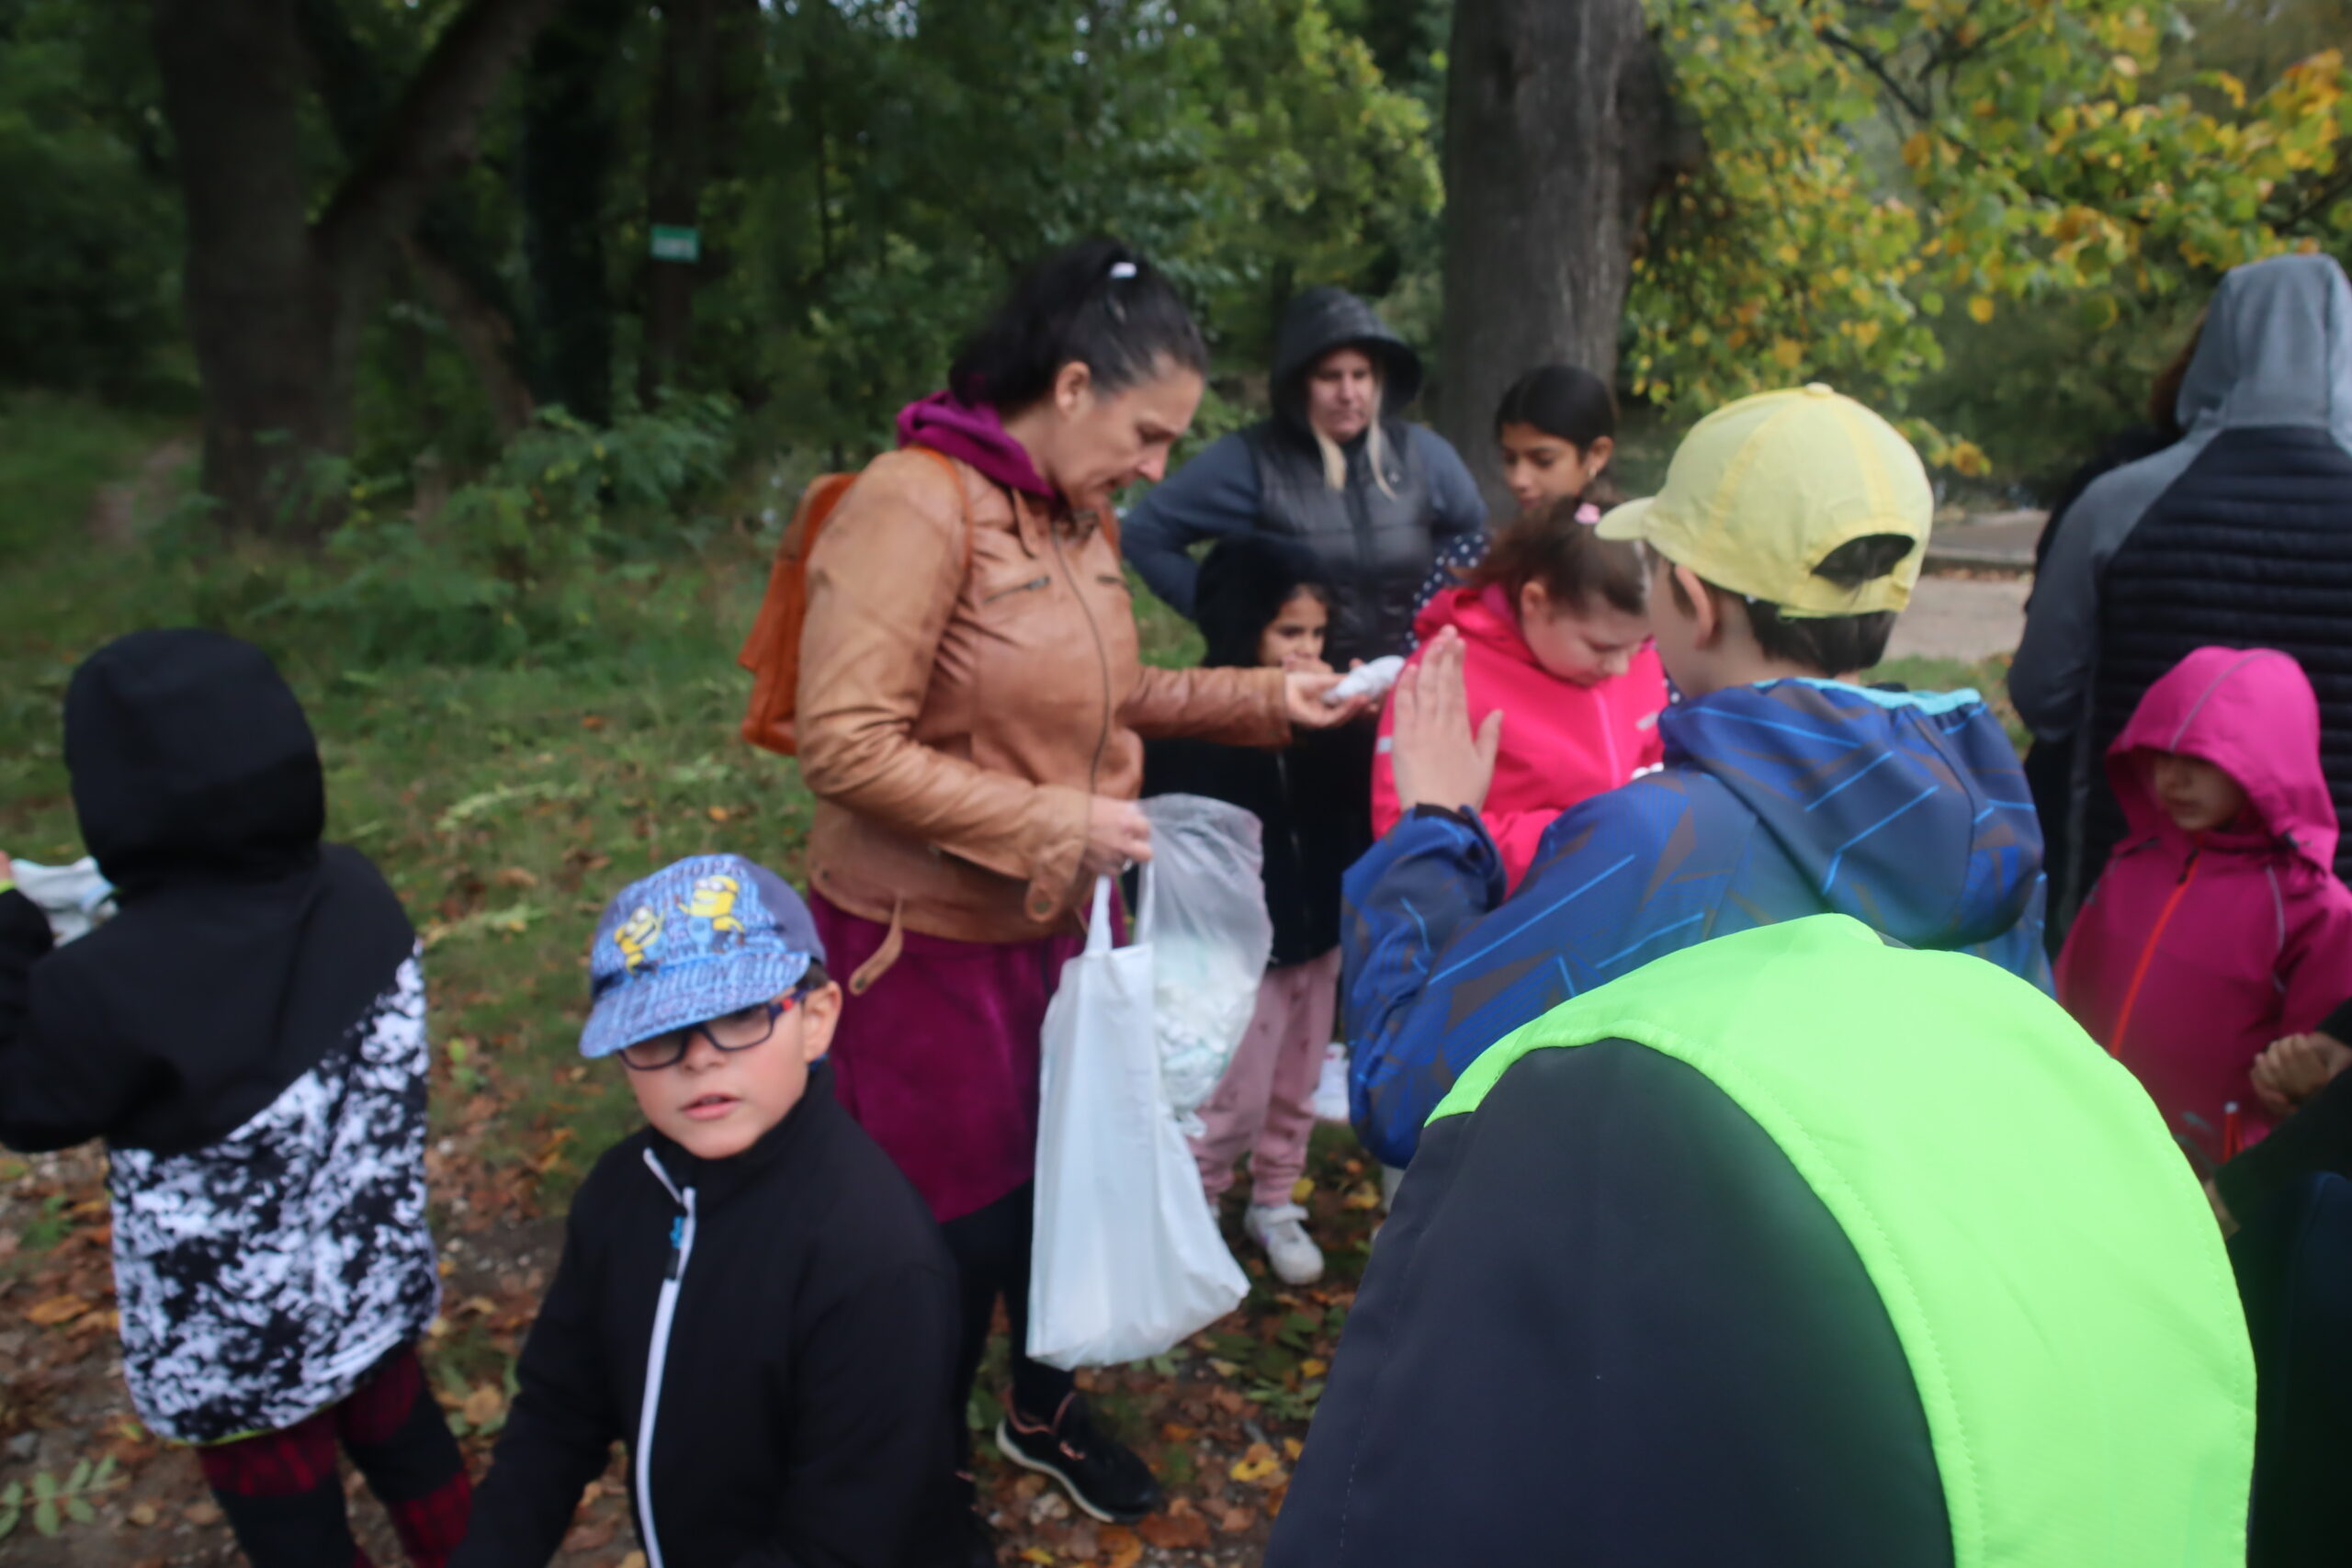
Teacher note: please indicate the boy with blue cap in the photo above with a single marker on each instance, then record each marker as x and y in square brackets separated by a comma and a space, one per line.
[751, 1298]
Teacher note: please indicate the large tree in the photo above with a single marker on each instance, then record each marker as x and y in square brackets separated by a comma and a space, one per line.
[1558, 130]
[282, 283]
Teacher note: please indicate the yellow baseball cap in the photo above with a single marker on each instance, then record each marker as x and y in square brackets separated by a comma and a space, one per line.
[1762, 490]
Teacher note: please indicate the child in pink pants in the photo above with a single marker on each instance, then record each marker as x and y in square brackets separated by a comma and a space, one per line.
[1259, 604]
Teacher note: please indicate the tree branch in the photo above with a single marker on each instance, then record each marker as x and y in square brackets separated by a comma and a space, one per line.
[431, 130]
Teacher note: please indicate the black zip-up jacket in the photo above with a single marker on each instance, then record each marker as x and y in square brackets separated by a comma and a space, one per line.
[802, 1416]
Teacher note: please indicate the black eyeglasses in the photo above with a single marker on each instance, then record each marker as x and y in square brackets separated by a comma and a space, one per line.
[737, 1031]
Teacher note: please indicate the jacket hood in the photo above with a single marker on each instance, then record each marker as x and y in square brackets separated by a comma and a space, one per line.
[2275, 350]
[191, 758]
[1322, 320]
[1483, 616]
[1905, 809]
[2250, 712]
[1244, 581]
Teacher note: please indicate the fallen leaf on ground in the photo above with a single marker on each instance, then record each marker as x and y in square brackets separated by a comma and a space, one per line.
[1238, 1520]
[1125, 1547]
[1175, 1532]
[142, 1514]
[204, 1513]
[54, 1310]
[1255, 1466]
[482, 1405]
[1175, 1432]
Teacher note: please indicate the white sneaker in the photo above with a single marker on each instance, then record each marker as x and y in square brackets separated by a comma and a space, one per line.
[1331, 1089]
[1279, 1229]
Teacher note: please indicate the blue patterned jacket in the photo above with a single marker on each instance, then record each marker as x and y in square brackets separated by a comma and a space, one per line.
[1905, 810]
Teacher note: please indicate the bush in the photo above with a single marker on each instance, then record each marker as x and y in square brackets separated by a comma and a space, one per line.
[518, 564]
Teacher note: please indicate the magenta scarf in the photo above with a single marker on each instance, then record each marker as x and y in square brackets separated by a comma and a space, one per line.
[975, 435]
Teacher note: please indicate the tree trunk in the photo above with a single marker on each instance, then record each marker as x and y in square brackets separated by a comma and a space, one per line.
[276, 302]
[1557, 135]
[567, 154]
[685, 101]
[260, 306]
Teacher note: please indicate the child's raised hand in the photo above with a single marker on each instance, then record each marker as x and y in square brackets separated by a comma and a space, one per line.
[1438, 758]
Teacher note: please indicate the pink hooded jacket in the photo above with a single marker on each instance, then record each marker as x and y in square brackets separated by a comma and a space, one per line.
[1561, 743]
[2195, 952]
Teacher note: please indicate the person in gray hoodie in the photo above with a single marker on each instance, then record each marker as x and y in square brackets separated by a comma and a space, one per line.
[2239, 534]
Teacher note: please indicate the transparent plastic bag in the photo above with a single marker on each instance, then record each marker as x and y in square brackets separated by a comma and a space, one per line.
[1210, 937]
[1127, 1260]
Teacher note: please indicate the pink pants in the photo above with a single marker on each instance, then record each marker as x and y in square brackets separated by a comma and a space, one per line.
[1264, 1106]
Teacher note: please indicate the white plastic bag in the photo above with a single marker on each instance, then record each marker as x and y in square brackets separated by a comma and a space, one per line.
[1127, 1260]
[75, 897]
[1210, 939]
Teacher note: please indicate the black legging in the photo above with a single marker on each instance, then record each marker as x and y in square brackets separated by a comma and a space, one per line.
[991, 1248]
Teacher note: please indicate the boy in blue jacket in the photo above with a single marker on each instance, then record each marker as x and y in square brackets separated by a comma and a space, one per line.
[1787, 539]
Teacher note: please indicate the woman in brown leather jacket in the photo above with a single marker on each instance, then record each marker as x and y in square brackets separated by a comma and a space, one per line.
[972, 711]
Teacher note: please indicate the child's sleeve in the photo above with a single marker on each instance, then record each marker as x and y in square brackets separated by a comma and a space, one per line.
[559, 1434]
[1436, 875]
[2316, 968]
[52, 1097]
[870, 1458]
[1517, 836]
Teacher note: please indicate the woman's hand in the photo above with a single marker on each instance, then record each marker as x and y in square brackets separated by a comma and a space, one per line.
[1437, 758]
[1118, 832]
[1302, 696]
[2293, 1069]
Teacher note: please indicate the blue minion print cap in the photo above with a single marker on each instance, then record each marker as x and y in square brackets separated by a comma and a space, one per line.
[711, 935]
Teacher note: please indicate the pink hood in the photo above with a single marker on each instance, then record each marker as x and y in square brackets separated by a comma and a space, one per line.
[2249, 712]
[1561, 743]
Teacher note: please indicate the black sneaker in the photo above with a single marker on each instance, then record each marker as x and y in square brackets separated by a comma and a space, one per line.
[975, 1542]
[1107, 1479]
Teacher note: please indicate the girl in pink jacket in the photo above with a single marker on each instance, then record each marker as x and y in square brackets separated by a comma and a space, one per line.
[2218, 925]
[1556, 626]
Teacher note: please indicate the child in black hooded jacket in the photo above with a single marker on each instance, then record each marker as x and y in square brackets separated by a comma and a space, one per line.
[1262, 602]
[248, 1037]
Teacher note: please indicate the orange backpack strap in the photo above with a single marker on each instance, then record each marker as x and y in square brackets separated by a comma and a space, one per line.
[772, 651]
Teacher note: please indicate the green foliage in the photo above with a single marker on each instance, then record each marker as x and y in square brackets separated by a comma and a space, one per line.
[508, 565]
[1877, 169]
[54, 1503]
[88, 234]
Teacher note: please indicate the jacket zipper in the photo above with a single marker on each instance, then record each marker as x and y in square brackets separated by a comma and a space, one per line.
[657, 1354]
[1029, 587]
[2148, 954]
[1290, 812]
[1102, 657]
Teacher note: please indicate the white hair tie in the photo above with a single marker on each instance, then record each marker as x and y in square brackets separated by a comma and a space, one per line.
[1121, 270]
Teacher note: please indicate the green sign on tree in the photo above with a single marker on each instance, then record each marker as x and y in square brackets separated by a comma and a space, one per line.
[677, 244]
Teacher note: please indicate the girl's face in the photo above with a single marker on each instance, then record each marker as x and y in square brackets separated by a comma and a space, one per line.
[1585, 643]
[1342, 391]
[1089, 445]
[1539, 467]
[2197, 796]
[1293, 638]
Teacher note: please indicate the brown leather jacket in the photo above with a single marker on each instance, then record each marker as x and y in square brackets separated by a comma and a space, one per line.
[965, 688]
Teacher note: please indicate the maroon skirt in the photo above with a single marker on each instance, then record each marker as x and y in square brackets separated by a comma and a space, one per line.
[938, 1061]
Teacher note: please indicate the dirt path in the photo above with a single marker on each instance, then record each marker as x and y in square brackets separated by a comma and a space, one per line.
[1961, 618]
[120, 512]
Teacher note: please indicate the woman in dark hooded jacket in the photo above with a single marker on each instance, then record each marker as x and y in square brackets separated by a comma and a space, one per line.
[1372, 497]
[248, 1037]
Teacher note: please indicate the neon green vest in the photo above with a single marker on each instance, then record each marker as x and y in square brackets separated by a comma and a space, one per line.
[2049, 1263]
